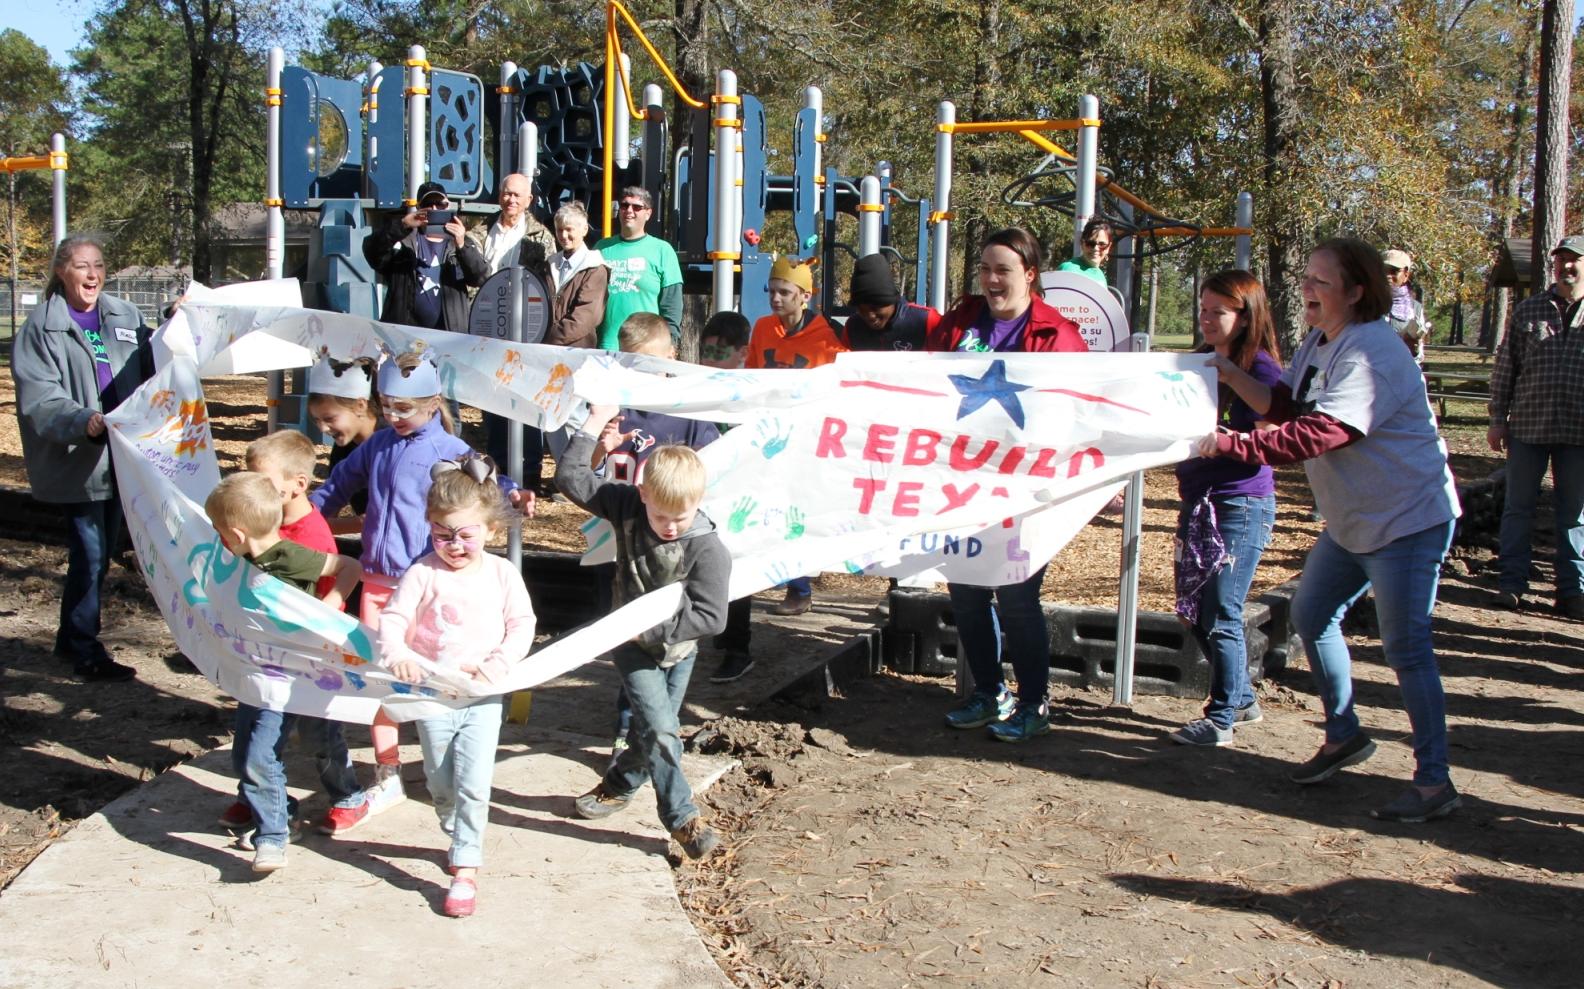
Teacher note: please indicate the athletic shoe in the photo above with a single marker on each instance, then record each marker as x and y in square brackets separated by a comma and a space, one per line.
[1413, 808]
[461, 898]
[339, 820]
[1202, 732]
[696, 838]
[793, 604]
[732, 667]
[982, 709]
[237, 816]
[293, 833]
[104, 671]
[269, 858]
[1026, 722]
[1251, 715]
[387, 792]
[1325, 765]
[600, 803]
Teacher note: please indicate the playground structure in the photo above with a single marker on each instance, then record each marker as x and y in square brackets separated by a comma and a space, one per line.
[57, 161]
[345, 147]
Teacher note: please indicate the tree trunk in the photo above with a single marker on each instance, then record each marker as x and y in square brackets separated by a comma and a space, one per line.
[1493, 324]
[1551, 131]
[1279, 96]
[986, 80]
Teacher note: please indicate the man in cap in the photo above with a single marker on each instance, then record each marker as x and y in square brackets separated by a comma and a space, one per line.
[1537, 417]
[881, 320]
[428, 269]
[645, 275]
[1406, 315]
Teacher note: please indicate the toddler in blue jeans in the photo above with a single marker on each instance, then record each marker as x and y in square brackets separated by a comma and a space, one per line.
[463, 610]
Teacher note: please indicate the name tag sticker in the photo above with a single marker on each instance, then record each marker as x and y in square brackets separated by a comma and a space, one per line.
[126, 334]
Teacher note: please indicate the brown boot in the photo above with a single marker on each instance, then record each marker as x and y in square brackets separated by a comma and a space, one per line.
[696, 838]
[794, 604]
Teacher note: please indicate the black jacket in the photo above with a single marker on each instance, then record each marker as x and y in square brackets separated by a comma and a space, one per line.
[389, 250]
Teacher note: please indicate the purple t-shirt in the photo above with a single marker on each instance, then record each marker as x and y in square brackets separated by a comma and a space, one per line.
[88, 322]
[1224, 477]
[999, 335]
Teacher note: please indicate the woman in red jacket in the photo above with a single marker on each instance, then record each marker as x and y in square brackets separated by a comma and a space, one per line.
[1008, 317]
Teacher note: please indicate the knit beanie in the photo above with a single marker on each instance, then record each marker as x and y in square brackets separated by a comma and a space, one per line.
[872, 284]
[793, 271]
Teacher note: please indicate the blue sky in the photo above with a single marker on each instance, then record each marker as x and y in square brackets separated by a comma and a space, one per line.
[55, 24]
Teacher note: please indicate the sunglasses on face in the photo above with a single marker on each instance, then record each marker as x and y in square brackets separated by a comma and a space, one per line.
[1097, 243]
[632, 207]
[1392, 271]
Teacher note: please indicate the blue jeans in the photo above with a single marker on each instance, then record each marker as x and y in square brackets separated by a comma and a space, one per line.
[1404, 574]
[1245, 526]
[257, 755]
[459, 763]
[656, 697]
[983, 614]
[92, 529]
[1526, 467]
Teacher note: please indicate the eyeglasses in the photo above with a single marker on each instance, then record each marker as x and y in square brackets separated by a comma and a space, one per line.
[394, 411]
[469, 536]
[632, 207]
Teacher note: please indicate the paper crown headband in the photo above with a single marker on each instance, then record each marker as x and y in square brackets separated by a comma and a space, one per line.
[340, 379]
[422, 381]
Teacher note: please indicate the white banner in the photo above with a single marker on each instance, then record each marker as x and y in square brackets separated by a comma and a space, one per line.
[976, 467]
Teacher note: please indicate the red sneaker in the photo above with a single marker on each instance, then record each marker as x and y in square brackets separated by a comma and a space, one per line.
[237, 816]
[461, 898]
[339, 820]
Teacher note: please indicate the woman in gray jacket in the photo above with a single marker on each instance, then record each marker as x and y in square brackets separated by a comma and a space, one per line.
[77, 356]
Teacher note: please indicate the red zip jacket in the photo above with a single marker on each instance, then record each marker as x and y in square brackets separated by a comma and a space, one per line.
[1047, 330]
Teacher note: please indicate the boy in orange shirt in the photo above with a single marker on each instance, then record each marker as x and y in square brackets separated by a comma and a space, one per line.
[792, 336]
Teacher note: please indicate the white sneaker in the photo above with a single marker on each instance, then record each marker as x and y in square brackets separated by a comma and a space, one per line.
[386, 793]
[269, 858]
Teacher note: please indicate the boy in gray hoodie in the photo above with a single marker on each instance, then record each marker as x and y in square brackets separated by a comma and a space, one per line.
[661, 538]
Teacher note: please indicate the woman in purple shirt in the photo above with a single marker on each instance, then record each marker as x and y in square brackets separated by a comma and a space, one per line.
[1227, 510]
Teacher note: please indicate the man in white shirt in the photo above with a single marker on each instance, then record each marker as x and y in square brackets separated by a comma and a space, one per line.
[501, 243]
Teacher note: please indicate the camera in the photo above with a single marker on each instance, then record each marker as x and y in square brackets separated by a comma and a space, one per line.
[437, 220]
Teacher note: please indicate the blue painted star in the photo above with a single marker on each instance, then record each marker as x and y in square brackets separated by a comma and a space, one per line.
[993, 387]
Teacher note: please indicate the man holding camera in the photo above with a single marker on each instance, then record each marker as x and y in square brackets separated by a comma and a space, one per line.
[427, 264]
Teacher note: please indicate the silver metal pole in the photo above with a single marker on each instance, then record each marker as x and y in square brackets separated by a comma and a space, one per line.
[507, 133]
[1088, 155]
[869, 216]
[728, 234]
[514, 428]
[1245, 219]
[58, 165]
[417, 121]
[528, 148]
[814, 99]
[1132, 516]
[274, 218]
[623, 116]
[945, 116]
[371, 87]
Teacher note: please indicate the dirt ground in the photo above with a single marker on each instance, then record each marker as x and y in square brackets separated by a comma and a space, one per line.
[871, 846]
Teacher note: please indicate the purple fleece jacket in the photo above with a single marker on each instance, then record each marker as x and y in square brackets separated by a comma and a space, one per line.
[394, 470]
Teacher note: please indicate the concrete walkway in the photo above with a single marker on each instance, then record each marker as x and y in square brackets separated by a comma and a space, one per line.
[149, 892]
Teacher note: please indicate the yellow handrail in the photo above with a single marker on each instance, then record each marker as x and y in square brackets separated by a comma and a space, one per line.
[24, 164]
[1015, 126]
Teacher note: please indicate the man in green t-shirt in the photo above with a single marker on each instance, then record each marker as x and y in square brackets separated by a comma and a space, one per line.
[645, 275]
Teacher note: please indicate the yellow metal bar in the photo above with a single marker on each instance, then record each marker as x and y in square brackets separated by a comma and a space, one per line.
[632, 105]
[615, 7]
[24, 164]
[1015, 126]
[608, 153]
[1197, 231]
[1046, 144]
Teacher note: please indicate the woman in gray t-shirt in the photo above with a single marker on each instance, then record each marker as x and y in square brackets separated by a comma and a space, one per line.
[1351, 405]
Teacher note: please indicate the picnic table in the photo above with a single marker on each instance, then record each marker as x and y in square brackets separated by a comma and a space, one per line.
[1441, 385]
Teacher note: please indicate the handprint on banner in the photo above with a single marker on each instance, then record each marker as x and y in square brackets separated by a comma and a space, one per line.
[1177, 388]
[780, 573]
[739, 516]
[794, 523]
[773, 437]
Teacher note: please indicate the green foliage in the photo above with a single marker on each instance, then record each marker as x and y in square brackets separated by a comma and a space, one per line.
[34, 103]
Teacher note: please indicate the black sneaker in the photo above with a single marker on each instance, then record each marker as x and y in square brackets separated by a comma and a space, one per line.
[1412, 808]
[600, 803]
[732, 667]
[1325, 765]
[696, 838]
[108, 671]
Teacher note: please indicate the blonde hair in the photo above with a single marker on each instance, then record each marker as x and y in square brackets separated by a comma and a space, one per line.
[409, 361]
[674, 478]
[245, 501]
[287, 449]
[459, 491]
[640, 330]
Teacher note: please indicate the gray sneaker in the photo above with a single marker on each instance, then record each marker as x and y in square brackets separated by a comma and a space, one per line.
[1251, 715]
[1202, 732]
[1323, 765]
[1413, 808]
[269, 858]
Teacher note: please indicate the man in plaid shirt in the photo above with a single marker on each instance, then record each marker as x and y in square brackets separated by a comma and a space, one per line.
[1537, 417]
